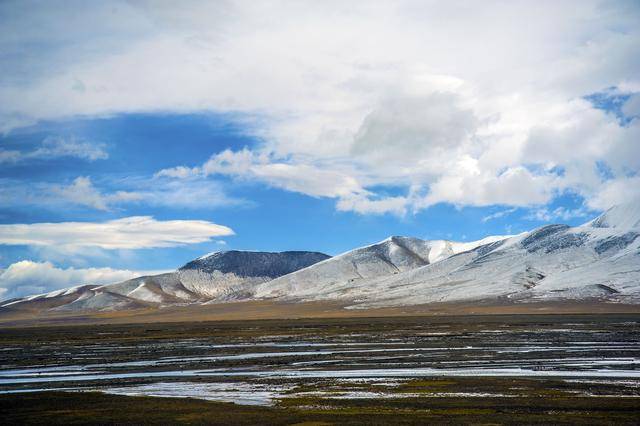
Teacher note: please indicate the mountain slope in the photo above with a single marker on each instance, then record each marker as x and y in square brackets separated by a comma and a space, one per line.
[626, 216]
[218, 276]
[600, 259]
[335, 278]
[232, 275]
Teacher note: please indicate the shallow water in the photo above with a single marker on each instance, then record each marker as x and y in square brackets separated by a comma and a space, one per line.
[239, 393]
[250, 369]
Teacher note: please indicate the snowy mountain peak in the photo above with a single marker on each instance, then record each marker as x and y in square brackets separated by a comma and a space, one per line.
[392, 256]
[208, 255]
[596, 261]
[622, 216]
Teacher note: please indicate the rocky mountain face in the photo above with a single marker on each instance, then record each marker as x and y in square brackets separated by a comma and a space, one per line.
[255, 263]
[598, 260]
[233, 275]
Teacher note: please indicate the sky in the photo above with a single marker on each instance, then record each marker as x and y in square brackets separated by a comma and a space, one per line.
[138, 135]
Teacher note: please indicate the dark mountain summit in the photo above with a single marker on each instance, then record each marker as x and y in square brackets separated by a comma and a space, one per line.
[255, 264]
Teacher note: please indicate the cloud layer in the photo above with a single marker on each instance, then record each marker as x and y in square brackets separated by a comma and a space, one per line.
[134, 232]
[468, 103]
[148, 191]
[56, 147]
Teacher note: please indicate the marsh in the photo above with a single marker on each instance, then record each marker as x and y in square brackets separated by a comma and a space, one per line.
[496, 368]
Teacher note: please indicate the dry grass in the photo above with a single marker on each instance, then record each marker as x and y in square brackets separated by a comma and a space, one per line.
[256, 310]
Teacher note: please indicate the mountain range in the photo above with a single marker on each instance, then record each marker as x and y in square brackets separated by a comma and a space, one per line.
[598, 260]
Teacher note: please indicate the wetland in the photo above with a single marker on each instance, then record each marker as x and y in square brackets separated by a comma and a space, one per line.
[487, 369]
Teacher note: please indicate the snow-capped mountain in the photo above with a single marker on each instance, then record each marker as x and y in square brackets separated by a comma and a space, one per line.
[233, 275]
[597, 260]
[626, 216]
[600, 259]
[337, 277]
[220, 276]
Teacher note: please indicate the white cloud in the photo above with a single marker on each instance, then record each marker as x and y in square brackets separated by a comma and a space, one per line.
[134, 232]
[56, 147]
[499, 214]
[53, 147]
[619, 191]
[82, 192]
[193, 194]
[560, 213]
[177, 172]
[365, 204]
[27, 278]
[414, 130]
[348, 97]
[295, 176]
[631, 108]
[468, 184]
[310, 179]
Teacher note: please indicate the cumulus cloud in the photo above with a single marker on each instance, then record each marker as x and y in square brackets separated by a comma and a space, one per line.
[417, 103]
[57, 147]
[368, 204]
[316, 180]
[306, 178]
[631, 107]
[468, 184]
[134, 232]
[177, 172]
[406, 130]
[625, 190]
[27, 278]
[82, 192]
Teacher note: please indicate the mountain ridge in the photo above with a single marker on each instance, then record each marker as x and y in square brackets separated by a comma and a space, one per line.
[599, 260]
[209, 277]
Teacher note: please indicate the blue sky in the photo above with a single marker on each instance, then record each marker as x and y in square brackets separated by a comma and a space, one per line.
[136, 146]
[149, 135]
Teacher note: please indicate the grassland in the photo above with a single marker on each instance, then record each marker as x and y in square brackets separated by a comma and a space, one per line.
[60, 408]
[274, 310]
